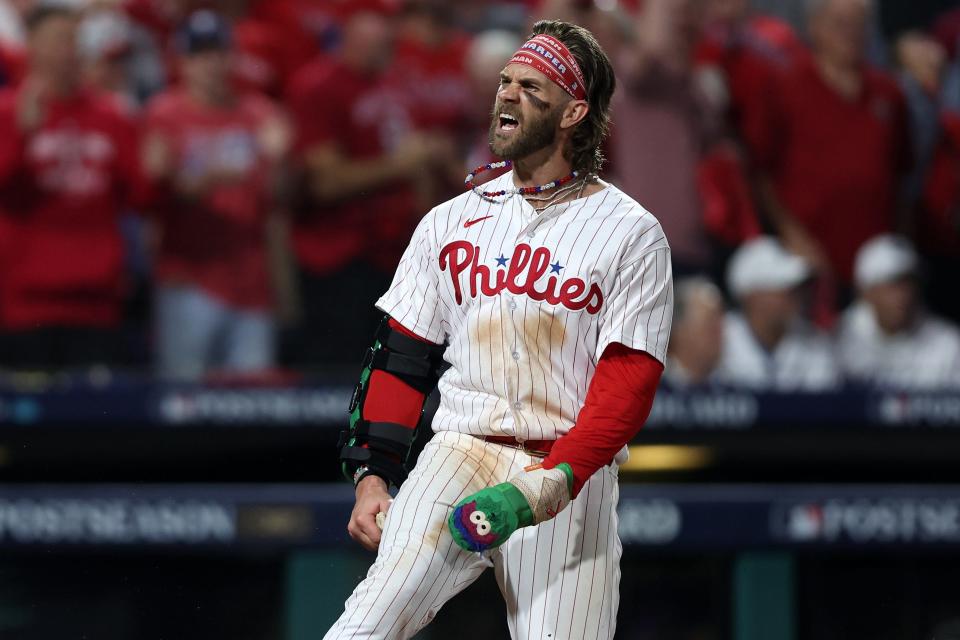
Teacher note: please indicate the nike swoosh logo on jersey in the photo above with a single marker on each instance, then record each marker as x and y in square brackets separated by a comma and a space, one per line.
[470, 223]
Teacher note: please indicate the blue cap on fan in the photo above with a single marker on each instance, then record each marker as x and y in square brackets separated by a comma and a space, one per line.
[203, 31]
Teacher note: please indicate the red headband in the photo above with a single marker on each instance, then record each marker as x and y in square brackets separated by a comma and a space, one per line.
[551, 57]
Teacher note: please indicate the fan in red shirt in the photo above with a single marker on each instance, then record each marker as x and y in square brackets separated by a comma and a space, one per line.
[360, 159]
[214, 154]
[746, 50]
[430, 71]
[271, 38]
[835, 144]
[68, 160]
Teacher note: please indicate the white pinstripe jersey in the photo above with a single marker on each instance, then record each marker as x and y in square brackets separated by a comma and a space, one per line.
[528, 303]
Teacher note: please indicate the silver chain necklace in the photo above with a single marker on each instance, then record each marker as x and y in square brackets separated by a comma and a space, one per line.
[548, 201]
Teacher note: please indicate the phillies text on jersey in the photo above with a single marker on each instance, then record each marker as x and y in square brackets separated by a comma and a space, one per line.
[528, 302]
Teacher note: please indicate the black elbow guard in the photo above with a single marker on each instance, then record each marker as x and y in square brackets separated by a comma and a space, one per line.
[384, 447]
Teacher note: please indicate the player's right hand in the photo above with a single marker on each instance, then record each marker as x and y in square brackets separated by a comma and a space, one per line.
[372, 498]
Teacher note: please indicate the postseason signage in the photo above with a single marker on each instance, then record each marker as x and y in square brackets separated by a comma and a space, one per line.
[719, 409]
[115, 521]
[739, 517]
[142, 403]
[158, 405]
[232, 407]
[175, 516]
[281, 517]
[864, 521]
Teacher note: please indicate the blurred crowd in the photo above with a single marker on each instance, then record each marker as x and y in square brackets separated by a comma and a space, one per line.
[225, 186]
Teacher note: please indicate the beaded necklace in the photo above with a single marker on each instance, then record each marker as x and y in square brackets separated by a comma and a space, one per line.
[550, 197]
[524, 191]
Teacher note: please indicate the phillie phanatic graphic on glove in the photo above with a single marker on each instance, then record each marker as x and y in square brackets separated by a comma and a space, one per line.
[487, 518]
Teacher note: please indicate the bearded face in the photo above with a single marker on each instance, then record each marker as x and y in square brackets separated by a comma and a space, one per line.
[518, 130]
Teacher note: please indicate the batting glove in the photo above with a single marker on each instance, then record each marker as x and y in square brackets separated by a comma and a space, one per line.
[487, 518]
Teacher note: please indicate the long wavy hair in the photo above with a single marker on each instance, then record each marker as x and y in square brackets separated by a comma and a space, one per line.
[583, 150]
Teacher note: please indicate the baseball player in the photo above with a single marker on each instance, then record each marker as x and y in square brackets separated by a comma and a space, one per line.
[548, 293]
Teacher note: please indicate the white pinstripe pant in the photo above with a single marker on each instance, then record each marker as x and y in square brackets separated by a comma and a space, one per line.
[560, 579]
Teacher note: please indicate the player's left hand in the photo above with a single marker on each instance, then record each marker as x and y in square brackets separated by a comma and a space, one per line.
[487, 518]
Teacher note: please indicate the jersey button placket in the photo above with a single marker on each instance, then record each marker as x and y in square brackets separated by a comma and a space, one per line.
[531, 229]
[515, 350]
[515, 354]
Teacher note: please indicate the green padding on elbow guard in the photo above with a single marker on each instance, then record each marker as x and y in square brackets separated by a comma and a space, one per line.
[356, 414]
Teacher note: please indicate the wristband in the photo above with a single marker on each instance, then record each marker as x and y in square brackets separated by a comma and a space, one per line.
[363, 471]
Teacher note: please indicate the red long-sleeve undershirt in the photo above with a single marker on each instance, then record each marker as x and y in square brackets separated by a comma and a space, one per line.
[618, 402]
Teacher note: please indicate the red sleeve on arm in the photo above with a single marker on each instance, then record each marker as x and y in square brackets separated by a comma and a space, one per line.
[618, 403]
[390, 399]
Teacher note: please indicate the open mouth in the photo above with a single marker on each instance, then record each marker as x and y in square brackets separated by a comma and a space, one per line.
[508, 122]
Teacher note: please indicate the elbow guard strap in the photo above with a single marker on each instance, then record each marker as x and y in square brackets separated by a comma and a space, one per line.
[414, 361]
[385, 446]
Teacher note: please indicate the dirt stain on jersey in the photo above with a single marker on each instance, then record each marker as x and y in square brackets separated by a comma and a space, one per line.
[432, 538]
[487, 332]
[543, 336]
[479, 465]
